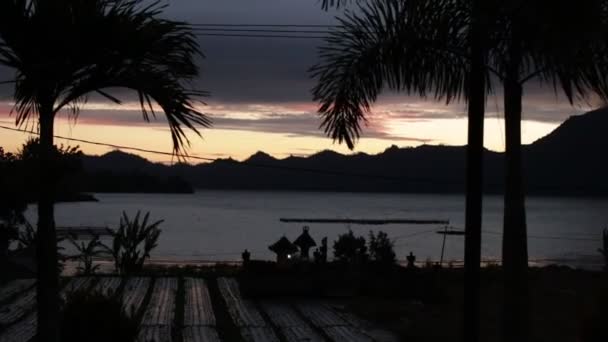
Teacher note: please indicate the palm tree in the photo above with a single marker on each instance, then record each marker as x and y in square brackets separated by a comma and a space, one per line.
[64, 50]
[554, 43]
[422, 47]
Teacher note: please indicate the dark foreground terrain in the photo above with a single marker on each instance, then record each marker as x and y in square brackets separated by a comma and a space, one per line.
[226, 303]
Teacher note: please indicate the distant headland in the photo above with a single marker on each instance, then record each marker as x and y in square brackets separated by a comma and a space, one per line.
[570, 161]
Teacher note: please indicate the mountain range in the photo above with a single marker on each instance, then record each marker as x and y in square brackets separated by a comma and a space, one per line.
[571, 160]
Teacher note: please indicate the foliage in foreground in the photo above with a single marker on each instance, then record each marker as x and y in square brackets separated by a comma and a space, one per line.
[12, 205]
[94, 317]
[86, 253]
[133, 242]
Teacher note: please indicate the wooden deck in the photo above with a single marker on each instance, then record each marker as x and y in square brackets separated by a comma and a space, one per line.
[184, 310]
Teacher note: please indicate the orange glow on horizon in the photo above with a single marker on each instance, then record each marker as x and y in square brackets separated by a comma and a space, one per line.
[240, 144]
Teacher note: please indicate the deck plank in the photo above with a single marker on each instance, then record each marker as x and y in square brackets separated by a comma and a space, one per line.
[198, 309]
[107, 285]
[200, 334]
[22, 331]
[289, 322]
[243, 312]
[23, 325]
[134, 293]
[346, 333]
[320, 315]
[15, 287]
[258, 334]
[76, 284]
[23, 304]
[161, 308]
[299, 334]
[155, 334]
[333, 324]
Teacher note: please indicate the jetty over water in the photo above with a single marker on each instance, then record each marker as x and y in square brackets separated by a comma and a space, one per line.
[374, 222]
[82, 231]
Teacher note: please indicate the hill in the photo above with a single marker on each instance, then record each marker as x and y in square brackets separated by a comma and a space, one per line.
[568, 161]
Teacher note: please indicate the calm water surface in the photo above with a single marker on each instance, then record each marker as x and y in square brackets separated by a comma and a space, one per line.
[219, 225]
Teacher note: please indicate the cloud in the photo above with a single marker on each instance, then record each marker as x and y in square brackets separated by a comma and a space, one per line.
[293, 120]
[263, 84]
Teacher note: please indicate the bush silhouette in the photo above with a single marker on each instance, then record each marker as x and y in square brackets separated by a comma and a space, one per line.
[350, 249]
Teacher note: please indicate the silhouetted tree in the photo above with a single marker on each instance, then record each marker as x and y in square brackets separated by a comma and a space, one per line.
[64, 50]
[12, 203]
[381, 249]
[555, 42]
[350, 249]
[435, 48]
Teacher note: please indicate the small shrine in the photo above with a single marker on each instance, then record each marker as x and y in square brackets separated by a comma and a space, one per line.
[284, 249]
[305, 242]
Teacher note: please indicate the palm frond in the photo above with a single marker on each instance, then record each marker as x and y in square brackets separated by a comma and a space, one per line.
[563, 46]
[326, 4]
[65, 50]
[414, 46]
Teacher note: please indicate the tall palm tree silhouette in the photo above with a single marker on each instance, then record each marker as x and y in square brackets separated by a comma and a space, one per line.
[64, 50]
[425, 47]
[552, 42]
[557, 44]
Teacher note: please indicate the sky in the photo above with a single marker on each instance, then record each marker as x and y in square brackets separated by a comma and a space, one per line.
[261, 100]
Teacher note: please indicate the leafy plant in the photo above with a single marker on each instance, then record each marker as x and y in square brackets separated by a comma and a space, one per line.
[87, 251]
[381, 248]
[12, 203]
[350, 249]
[133, 242]
[65, 168]
[95, 317]
[27, 238]
[604, 250]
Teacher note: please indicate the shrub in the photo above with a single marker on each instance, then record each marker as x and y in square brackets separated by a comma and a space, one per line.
[133, 242]
[12, 203]
[86, 254]
[381, 249]
[350, 249]
[27, 237]
[94, 317]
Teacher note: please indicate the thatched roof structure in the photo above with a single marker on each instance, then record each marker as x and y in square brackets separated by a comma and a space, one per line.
[305, 241]
[283, 246]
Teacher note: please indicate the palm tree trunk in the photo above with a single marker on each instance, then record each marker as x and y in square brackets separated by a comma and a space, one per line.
[46, 246]
[515, 245]
[474, 178]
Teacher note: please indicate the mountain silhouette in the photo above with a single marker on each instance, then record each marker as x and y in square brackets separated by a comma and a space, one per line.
[568, 161]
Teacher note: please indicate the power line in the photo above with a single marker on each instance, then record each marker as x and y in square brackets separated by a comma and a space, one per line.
[244, 163]
[267, 166]
[547, 237]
